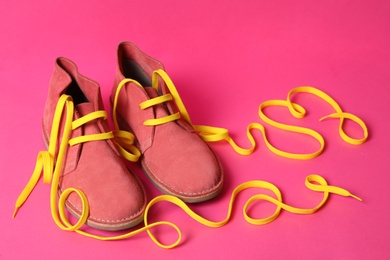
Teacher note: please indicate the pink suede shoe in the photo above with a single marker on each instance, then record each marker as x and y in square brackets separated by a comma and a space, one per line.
[116, 198]
[174, 157]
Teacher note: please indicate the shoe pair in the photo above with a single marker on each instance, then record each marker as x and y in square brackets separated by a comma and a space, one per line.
[145, 106]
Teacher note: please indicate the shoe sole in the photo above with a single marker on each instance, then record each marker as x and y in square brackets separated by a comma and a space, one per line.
[188, 199]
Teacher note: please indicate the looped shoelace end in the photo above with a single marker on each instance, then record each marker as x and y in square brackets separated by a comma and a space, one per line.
[357, 120]
[317, 183]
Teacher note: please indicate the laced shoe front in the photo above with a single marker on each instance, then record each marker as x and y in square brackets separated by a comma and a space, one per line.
[82, 161]
[174, 157]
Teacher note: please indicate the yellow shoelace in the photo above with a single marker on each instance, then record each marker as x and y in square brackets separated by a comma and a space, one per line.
[312, 182]
[214, 134]
[47, 159]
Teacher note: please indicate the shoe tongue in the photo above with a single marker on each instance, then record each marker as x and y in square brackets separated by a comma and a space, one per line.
[151, 92]
[85, 108]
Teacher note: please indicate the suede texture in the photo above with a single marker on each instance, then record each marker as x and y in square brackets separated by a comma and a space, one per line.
[174, 157]
[116, 197]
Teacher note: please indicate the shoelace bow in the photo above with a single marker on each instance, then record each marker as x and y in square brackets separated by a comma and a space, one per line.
[46, 160]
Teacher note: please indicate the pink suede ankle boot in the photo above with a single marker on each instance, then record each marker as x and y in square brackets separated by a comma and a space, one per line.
[174, 157]
[116, 198]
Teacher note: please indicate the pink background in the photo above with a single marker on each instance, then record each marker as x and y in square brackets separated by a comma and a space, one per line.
[225, 57]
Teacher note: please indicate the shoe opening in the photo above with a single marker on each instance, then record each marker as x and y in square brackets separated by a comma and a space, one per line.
[131, 70]
[76, 93]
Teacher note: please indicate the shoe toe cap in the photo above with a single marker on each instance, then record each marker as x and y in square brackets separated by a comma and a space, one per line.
[115, 196]
[188, 169]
